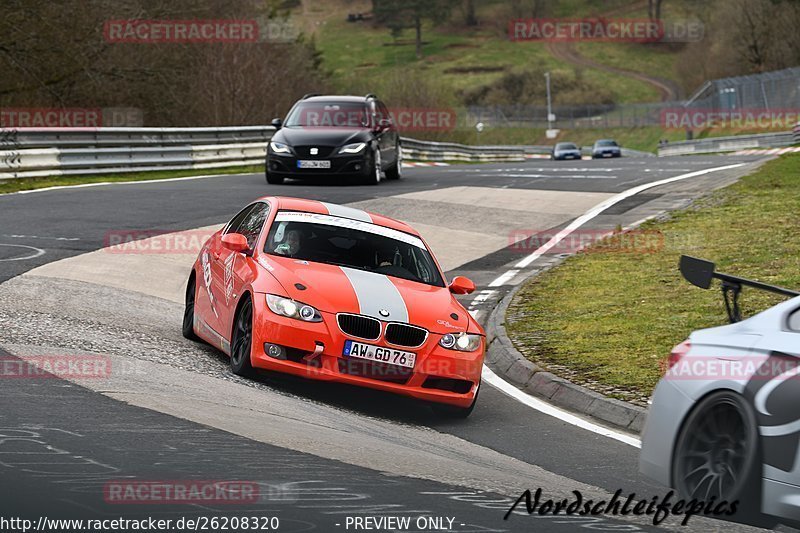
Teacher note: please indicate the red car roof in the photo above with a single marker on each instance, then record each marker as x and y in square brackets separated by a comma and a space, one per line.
[315, 206]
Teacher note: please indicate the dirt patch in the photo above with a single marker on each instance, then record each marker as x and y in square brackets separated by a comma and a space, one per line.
[477, 69]
[405, 42]
[462, 45]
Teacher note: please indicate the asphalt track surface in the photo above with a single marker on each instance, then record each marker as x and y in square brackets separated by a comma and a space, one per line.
[376, 454]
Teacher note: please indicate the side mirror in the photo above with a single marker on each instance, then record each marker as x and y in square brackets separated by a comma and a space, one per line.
[235, 242]
[277, 123]
[461, 285]
[698, 272]
[384, 124]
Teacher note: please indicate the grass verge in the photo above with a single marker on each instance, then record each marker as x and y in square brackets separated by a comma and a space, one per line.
[608, 317]
[27, 184]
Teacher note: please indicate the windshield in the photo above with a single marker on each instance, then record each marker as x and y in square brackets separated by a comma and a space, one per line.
[329, 114]
[606, 143]
[566, 146]
[352, 243]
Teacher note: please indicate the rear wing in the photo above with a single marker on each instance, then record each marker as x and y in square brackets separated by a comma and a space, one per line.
[701, 273]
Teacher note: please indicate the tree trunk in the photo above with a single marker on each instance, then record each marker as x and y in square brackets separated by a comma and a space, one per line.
[418, 29]
[470, 18]
[658, 9]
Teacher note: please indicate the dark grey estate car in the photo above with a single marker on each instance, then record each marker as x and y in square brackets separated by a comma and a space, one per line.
[334, 137]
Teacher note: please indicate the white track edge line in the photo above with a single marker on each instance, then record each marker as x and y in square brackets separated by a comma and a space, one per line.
[137, 182]
[544, 407]
[540, 405]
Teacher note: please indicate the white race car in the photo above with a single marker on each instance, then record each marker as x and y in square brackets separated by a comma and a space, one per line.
[724, 423]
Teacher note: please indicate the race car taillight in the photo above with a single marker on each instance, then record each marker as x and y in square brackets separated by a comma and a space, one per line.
[677, 354]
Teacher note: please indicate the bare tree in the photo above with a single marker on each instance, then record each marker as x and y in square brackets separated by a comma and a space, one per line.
[398, 15]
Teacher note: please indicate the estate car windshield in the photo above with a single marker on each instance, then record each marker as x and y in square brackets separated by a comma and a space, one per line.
[606, 143]
[566, 146]
[352, 243]
[329, 114]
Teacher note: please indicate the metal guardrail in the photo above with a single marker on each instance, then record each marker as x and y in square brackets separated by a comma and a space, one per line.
[38, 152]
[732, 143]
[439, 151]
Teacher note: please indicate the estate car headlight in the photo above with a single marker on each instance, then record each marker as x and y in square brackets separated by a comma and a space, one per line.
[462, 342]
[279, 148]
[352, 148]
[289, 308]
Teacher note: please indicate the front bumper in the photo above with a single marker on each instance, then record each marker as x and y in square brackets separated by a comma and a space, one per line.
[606, 153]
[666, 414]
[436, 370]
[285, 165]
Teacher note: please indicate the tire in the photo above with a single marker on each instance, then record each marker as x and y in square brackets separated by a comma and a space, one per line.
[374, 176]
[188, 310]
[242, 339]
[396, 172]
[718, 454]
[272, 179]
[451, 411]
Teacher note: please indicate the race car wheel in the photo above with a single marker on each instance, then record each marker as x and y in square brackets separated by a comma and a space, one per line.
[188, 311]
[717, 454]
[374, 176]
[452, 411]
[396, 172]
[272, 179]
[242, 340]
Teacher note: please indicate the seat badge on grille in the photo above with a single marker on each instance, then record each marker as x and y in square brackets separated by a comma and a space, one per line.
[383, 312]
[314, 151]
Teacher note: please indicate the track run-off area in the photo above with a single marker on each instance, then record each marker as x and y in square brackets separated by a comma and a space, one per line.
[172, 410]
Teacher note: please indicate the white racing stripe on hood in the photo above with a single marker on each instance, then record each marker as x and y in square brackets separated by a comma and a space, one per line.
[347, 212]
[375, 292]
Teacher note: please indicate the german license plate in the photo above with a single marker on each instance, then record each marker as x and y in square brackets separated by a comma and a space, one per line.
[314, 163]
[379, 354]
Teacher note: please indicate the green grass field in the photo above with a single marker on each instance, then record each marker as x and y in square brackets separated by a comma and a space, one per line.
[607, 319]
[362, 56]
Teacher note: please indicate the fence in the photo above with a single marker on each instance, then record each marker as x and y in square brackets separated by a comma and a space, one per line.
[26, 153]
[436, 151]
[731, 144]
[569, 117]
[778, 90]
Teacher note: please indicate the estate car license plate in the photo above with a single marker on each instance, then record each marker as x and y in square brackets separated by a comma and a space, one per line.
[379, 354]
[314, 163]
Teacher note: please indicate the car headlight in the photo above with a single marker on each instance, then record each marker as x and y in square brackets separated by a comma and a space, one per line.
[289, 308]
[279, 148]
[352, 148]
[462, 342]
